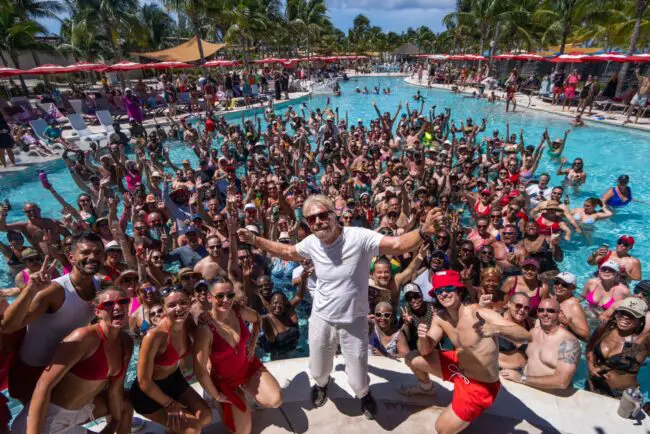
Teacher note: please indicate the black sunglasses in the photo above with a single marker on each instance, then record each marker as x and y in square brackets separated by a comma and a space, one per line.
[167, 290]
[623, 243]
[412, 296]
[519, 306]
[311, 219]
[547, 310]
[446, 290]
[220, 296]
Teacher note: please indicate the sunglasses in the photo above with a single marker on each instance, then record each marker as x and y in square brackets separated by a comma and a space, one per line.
[216, 246]
[412, 296]
[141, 228]
[156, 258]
[110, 304]
[222, 295]
[486, 252]
[157, 312]
[167, 290]
[148, 290]
[562, 283]
[130, 280]
[482, 226]
[509, 233]
[623, 243]
[201, 289]
[547, 310]
[607, 270]
[323, 216]
[519, 306]
[190, 276]
[385, 315]
[446, 290]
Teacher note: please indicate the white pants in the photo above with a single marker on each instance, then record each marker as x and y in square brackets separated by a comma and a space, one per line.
[58, 420]
[353, 337]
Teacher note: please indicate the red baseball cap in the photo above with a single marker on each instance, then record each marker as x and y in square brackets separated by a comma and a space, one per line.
[445, 278]
[629, 239]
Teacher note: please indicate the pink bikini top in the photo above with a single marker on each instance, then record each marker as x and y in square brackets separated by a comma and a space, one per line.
[592, 302]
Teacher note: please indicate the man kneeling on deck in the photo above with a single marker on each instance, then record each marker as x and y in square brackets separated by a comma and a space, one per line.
[473, 365]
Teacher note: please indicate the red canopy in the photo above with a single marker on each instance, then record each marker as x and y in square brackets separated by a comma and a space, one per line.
[86, 66]
[474, 57]
[569, 58]
[8, 72]
[220, 63]
[522, 56]
[269, 60]
[645, 57]
[612, 56]
[125, 65]
[168, 65]
[48, 69]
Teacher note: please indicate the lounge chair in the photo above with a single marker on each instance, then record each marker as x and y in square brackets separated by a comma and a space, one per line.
[39, 126]
[51, 110]
[106, 120]
[78, 124]
[22, 101]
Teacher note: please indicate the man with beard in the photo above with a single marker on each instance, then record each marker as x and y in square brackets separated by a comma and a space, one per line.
[35, 227]
[473, 364]
[52, 311]
[572, 314]
[216, 263]
[341, 258]
[553, 354]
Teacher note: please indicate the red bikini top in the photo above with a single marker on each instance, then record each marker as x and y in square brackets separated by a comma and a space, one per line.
[95, 367]
[170, 356]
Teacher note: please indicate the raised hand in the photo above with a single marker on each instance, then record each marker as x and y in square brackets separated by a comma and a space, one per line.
[484, 329]
[467, 273]
[406, 316]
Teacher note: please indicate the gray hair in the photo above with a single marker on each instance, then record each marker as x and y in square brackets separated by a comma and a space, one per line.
[384, 305]
[320, 200]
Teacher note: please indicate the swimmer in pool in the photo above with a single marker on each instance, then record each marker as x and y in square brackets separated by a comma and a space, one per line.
[619, 196]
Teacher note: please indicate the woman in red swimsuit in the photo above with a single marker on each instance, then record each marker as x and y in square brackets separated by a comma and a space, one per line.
[229, 347]
[86, 378]
[160, 391]
[483, 204]
[549, 221]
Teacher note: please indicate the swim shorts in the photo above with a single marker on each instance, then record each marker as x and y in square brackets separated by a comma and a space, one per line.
[58, 420]
[173, 386]
[639, 100]
[471, 397]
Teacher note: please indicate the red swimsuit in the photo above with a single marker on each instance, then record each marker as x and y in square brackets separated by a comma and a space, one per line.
[231, 368]
[95, 367]
[545, 229]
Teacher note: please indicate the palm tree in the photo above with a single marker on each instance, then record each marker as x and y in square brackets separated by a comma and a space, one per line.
[194, 10]
[246, 24]
[308, 17]
[640, 8]
[158, 25]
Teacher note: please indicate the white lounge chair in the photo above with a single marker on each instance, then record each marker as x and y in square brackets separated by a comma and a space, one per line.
[39, 126]
[106, 120]
[78, 124]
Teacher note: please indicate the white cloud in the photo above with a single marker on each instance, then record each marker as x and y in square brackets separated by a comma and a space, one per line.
[392, 4]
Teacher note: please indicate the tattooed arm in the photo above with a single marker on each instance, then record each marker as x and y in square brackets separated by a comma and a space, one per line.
[568, 357]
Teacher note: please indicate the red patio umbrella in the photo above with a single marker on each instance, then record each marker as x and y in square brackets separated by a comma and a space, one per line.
[168, 65]
[8, 72]
[531, 56]
[86, 66]
[221, 63]
[569, 58]
[125, 65]
[506, 57]
[612, 56]
[645, 57]
[474, 57]
[48, 69]
[269, 60]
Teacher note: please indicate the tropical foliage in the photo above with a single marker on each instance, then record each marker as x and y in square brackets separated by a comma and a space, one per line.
[108, 30]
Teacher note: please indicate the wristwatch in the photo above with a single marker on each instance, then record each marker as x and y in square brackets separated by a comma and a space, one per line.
[423, 235]
[523, 379]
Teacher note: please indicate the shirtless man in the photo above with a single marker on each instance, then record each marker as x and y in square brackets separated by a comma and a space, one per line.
[572, 315]
[630, 267]
[508, 253]
[216, 263]
[640, 99]
[553, 354]
[481, 235]
[35, 228]
[473, 365]
[51, 312]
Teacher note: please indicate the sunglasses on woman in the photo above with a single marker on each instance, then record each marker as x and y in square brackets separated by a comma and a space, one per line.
[223, 295]
[167, 290]
[108, 305]
[446, 290]
[385, 315]
[157, 312]
[148, 290]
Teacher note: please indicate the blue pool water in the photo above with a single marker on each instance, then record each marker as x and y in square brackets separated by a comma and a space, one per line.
[607, 152]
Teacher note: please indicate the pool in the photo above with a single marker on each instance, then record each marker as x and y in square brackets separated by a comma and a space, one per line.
[607, 152]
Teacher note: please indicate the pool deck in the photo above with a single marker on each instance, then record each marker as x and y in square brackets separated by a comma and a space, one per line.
[149, 124]
[518, 409]
[536, 104]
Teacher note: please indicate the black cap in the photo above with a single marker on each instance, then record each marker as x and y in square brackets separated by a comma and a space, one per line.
[643, 287]
[624, 179]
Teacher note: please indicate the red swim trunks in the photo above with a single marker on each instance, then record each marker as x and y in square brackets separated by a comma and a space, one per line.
[471, 397]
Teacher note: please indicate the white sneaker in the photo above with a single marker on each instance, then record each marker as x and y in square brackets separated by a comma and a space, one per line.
[413, 389]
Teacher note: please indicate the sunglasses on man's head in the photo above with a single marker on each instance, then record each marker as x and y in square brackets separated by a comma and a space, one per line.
[110, 304]
[323, 216]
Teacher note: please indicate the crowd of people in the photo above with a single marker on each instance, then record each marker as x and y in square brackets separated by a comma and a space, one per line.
[409, 235]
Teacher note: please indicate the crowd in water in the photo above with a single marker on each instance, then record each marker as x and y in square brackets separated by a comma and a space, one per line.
[410, 235]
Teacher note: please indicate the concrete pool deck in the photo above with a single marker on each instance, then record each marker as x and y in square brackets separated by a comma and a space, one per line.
[518, 409]
[537, 104]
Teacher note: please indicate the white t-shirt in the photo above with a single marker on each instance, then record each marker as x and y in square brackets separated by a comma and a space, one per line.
[533, 193]
[424, 282]
[342, 270]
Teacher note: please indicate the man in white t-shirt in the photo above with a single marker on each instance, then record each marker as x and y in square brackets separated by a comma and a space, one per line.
[341, 258]
[539, 192]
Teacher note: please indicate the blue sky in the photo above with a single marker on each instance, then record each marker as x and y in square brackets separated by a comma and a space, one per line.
[395, 15]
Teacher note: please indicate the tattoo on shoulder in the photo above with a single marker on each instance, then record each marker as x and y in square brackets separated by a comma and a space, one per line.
[569, 352]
